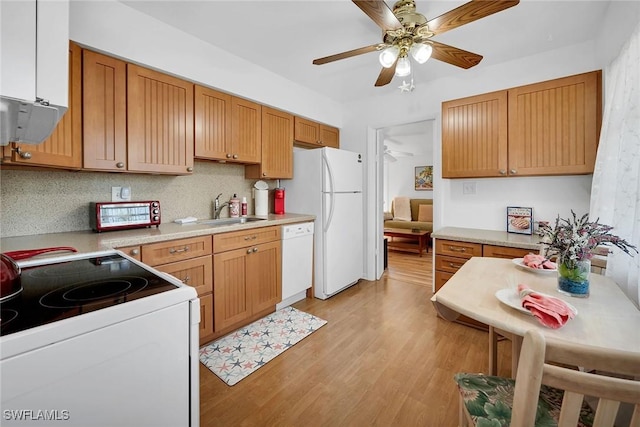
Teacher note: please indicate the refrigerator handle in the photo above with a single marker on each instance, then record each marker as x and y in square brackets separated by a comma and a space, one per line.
[330, 174]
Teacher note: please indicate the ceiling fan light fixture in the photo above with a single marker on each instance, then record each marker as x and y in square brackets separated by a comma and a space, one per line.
[421, 52]
[388, 56]
[403, 68]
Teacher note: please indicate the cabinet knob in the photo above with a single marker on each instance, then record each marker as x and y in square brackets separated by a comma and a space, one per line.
[513, 171]
[228, 156]
[249, 250]
[264, 174]
[255, 249]
[23, 154]
[186, 280]
[235, 156]
[189, 169]
[120, 165]
[502, 172]
[135, 252]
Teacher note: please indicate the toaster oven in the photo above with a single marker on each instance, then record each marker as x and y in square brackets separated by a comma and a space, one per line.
[124, 215]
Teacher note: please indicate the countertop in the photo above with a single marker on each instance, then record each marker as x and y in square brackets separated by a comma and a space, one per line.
[89, 241]
[489, 237]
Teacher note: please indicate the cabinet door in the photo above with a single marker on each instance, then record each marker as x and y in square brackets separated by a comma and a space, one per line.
[264, 276]
[195, 272]
[230, 291]
[246, 131]
[277, 147]
[330, 136]
[554, 126]
[474, 136]
[307, 131]
[206, 318]
[212, 124]
[63, 148]
[104, 102]
[159, 122]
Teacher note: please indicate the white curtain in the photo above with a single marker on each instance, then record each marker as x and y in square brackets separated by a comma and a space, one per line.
[615, 193]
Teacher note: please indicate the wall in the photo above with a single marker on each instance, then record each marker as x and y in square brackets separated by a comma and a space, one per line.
[35, 202]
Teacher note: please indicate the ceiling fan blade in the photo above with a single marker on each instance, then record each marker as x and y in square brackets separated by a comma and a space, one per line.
[454, 56]
[380, 13]
[347, 54]
[467, 13]
[386, 75]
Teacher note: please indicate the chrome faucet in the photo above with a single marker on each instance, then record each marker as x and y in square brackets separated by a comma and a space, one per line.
[217, 207]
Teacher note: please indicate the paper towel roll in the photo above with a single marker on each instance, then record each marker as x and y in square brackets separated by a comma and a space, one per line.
[261, 202]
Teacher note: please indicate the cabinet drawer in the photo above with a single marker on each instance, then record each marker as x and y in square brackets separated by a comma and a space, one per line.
[448, 263]
[239, 239]
[458, 249]
[176, 250]
[132, 251]
[196, 272]
[504, 252]
[441, 278]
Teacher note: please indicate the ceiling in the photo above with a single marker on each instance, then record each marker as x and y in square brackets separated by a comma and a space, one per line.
[285, 36]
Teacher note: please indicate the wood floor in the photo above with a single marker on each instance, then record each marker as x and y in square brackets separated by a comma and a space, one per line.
[383, 359]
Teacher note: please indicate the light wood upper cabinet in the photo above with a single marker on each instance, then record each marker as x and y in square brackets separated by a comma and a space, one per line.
[277, 147]
[308, 133]
[547, 128]
[554, 126]
[105, 112]
[227, 128]
[474, 136]
[63, 148]
[159, 122]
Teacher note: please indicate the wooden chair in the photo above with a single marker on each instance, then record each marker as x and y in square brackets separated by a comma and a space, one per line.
[543, 390]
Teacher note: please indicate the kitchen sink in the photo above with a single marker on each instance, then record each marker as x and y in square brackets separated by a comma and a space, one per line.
[229, 221]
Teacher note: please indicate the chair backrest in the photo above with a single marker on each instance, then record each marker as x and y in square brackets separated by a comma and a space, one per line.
[613, 377]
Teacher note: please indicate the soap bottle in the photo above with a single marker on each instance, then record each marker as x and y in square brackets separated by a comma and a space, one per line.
[243, 207]
[234, 207]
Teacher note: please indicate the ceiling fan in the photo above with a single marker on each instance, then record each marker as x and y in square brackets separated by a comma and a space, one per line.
[405, 31]
[392, 155]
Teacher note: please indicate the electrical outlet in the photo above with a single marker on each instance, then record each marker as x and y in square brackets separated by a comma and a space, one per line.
[120, 194]
[469, 187]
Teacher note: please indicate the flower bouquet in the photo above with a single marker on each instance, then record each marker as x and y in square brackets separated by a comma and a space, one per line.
[574, 241]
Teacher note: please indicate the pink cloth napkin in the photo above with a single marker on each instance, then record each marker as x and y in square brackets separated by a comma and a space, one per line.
[551, 312]
[538, 261]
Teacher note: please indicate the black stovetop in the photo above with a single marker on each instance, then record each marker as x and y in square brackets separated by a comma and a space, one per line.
[62, 290]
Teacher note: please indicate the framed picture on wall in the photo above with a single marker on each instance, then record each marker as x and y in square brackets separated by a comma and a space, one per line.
[520, 220]
[424, 178]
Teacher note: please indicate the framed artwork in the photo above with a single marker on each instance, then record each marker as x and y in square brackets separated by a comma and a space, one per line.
[424, 178]
[520, 220]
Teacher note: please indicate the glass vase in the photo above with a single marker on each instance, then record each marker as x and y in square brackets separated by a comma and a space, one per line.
[573, 280]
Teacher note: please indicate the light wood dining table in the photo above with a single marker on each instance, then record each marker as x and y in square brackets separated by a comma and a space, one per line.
[606, 319]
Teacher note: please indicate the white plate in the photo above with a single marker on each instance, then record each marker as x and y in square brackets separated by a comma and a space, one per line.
[520, 263]
[511, 298]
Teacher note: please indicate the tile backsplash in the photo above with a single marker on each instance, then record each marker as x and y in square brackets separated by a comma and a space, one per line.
[39, 202]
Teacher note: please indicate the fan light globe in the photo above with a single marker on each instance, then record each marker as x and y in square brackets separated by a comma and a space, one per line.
[404, 67]
[388, 56]
[421, 52]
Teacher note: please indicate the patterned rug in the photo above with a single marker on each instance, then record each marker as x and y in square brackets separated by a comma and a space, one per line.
[242, 352]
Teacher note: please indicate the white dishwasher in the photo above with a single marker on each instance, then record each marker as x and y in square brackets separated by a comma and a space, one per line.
[297, 262]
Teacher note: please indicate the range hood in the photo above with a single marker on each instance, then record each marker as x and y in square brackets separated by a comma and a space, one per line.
[34, 88]
[27, 122]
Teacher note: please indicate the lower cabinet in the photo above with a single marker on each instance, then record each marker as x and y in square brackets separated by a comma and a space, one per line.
[190, 261]
[247, 276]
[450, 256]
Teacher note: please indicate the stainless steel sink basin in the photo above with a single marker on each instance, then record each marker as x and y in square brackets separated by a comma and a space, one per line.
[228, 221]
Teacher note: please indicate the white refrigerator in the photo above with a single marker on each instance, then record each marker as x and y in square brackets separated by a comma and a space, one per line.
[327, 183]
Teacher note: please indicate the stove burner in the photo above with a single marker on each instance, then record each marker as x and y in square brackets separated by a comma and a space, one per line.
[95, 292]
[7, 315]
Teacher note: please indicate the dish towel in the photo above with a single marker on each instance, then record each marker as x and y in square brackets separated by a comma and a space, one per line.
[401, 209]
[551, 312]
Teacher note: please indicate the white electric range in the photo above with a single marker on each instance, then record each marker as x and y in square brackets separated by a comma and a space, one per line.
[99, 340]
